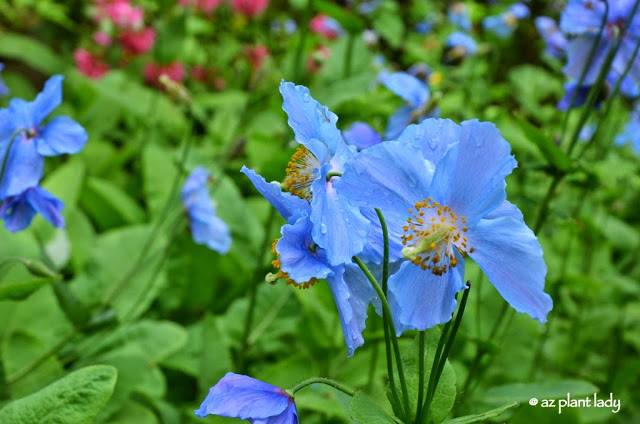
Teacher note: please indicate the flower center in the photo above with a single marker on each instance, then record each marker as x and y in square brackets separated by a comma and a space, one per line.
[300, 173]
[510, 19]
[432, 233]
[272, 278]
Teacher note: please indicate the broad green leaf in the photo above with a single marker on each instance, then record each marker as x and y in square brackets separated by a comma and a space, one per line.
[552, 153]
[364, 411]
[109, 205]
[619, 233]
[74, 399]
[481, 417]
[66, 181]
[23, 289]
[349, 21]
[389, 24]
[133, 413]
[215, 359]
[522, 392]
[30, 51]
[159, 169]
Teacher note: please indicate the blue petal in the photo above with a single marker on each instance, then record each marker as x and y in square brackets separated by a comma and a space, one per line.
[410, 88]
[296, 256]
[309, 119]
[362, 136]
[420, 299]
[578, 54]
[17, 213]
[289, 416]
[338, 227]
[48, 99]
[374, 245]
[509, 254]
[470, 176]
[212, 232]
[61, 135]
[498, 26]
[505, 209]
[433, 136]
[196, 181]
[244, 397]
[46, 204]
[578, 19]
[285, 203]
[352, 297]
[398, 122]
[23, 168]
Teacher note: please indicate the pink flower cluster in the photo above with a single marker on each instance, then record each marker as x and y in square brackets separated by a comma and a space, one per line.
[153, 71]
[244, 7]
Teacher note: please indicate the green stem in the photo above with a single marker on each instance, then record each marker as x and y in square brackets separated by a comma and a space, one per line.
[434, 369]
[386, 311]
[421, 348]
[304, 29]
[544, 207]
[445, 353]
[385, 251]
[322, 380]
[348, 56]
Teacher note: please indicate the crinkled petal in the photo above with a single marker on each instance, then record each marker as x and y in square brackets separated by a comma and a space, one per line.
[211, 231]
[410, 88]
[420, 299]
[61, 135]
[338, 227]
[296, 256]
[23, 168]
[48, 99]
[285, 203]
[244, 397]
[352, 297]
[509, 254]
[362, 136]
[398, 122]
[289, 416]
[505, 209]
[309, 119]
[46, 204]
[470, 177]
[433, 136]
[577, 18]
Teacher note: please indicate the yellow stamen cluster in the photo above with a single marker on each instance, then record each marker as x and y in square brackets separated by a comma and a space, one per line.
[300, 173]
[432, 231]
[271, 278]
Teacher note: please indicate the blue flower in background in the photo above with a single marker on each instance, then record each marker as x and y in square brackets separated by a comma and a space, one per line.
[504, 24]
[361, 135]
[628, 88]
[301, 261]
[24, 140]
[19, 210]
[441, 189]
[425, 26]
[458, 15]
[206, 227]
[554, 39]
[4, 90]
[240, 396]
[631, 132]
[582, 19]
[416, 95]
[457, 47]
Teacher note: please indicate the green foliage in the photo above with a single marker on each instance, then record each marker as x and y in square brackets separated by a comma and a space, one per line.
[365, 411]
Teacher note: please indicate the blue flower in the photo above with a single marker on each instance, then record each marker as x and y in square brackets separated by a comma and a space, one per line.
[425, 26]
[582, 19]
[240, 396]
[554, 39]
[416, 95]
[361, 135]
[631, 132]
[4, 90]
[628, 88]
[206, 227]
[301, 261]
[19, 210]
[457, 47]
[504, 24]
[24, 141]
[458, 15]
[441, 189]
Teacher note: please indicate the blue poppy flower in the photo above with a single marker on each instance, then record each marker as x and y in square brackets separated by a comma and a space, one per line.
[631, 132]
[206, 227]
[628, 88]
[416, 95]
[582, 19]
[361, 135]
[441, 188]
[240, 396]
[554, 40]
[504, 24]
[19, 210]
[301, 261]
[4, 90]
[458, 15]
[457, 47]
[24, 140]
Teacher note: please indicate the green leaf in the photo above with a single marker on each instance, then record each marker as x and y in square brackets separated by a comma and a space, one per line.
[349, 21]
[481, 417]
[522, 392]
[32, 52]
[109, 205]
[74, 399]
[552, 153]
[23, 289]
[159, 170]
[364, 411]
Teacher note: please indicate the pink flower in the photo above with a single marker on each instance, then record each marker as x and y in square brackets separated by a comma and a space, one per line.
[326, 26]
[153, 71]
[249, 7]
[121, 13]
[256, 55]
[138, 42]
[89, 65]
[102, 38]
